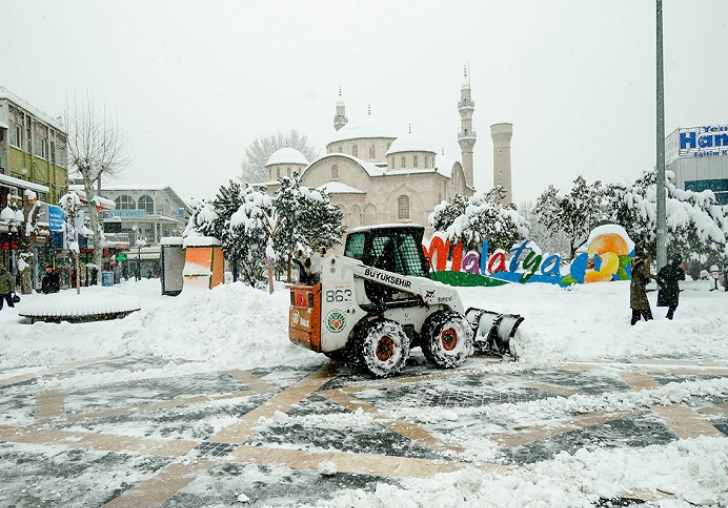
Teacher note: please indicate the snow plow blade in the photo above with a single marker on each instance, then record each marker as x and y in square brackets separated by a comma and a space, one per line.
[494, 332]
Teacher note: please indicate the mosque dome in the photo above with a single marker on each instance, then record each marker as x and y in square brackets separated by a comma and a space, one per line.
[287, 155]
[410, 143]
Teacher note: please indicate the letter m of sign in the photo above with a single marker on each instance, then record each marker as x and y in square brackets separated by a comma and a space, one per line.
[437, 252]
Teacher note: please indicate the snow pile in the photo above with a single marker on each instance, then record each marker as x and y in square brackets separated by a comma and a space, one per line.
[692, 470]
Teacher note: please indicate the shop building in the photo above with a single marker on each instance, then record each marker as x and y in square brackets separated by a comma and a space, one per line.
[698, 156]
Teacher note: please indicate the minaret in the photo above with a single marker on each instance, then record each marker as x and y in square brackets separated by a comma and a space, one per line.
[466, 136]
[340, 119]
[502, 134]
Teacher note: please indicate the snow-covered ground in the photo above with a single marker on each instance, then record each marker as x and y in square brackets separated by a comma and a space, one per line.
[236, 327]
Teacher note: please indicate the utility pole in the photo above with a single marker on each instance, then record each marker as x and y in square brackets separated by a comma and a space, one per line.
[661, 188]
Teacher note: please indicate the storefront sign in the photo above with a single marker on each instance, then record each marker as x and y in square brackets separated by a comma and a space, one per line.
[705, 141]
[127, 214]
[607, 257]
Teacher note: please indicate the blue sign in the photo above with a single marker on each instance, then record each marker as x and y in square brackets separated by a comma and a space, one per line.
[55, 218]
[704, 141]
[180, 213]
[127, 214]
[107, 279]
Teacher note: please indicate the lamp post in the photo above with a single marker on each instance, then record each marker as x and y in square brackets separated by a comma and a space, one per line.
[660, 183]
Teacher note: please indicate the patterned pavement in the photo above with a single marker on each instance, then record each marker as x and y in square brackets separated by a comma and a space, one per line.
[74, 436]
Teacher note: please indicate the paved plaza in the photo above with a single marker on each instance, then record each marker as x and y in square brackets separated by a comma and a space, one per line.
[260, 437]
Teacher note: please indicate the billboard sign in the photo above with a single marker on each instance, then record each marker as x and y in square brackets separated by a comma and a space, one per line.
[704, 141]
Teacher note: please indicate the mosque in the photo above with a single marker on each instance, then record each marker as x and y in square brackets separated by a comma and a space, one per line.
[376, 176]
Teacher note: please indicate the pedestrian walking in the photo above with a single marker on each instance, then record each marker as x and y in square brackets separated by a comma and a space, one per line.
[7, 287]
[669, 292]
[125, 273]
[51, 282]
[638, 287]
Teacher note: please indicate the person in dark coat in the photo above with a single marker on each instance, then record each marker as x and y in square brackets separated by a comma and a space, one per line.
[51, 282]
[638, 287]
[7, 287]
[667, 278]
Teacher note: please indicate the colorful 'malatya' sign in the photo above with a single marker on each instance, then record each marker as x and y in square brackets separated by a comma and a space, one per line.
[607, 257]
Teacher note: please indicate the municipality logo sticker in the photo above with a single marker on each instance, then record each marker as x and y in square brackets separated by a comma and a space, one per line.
[335, 321]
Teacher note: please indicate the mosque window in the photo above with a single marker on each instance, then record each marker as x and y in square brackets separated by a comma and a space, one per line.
[335, 171]
[371, 152]
[403, 207]
[403, 164]
[278, 172]
[355, 151]
[341, 149]
[427, 162]
[416, 162]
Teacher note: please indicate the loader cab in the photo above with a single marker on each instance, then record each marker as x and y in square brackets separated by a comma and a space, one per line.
[396, 248]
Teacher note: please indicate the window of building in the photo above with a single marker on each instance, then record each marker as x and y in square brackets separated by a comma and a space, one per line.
[427, 162]
[40, 147]
[355, 151]
[403, 207]
[146, 203]
[288, 171]
[718, 186]
[415, 162]
[335, 172]
[278, 172]
[125, 202]
[341, 149]
[16, 135]
[403, 164]
[371, 152]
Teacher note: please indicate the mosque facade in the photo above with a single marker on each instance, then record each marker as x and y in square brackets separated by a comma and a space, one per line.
[375, 176]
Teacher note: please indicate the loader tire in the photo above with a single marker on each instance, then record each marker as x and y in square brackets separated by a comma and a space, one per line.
[446, 339]
[383, 347]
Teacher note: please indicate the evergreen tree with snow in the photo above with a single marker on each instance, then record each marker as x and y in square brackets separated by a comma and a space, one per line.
[249, 234]
[574, 214]
[446, 212]
[485, 218]
[696, 225]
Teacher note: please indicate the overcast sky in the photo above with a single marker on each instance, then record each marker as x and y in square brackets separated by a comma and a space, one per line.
[193, 83]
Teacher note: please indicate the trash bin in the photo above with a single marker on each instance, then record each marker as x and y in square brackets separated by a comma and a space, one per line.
[107, 279]
[173, 264]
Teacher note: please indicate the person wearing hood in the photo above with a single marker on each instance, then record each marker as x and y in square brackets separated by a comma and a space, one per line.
[669, 293]
[7, 287]
[638, 287]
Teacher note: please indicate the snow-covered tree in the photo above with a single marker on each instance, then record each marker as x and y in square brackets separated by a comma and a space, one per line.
[574, 214]
[72, 209]
[96, 148]
[696, 224]
[249, 234]
[446, 212]
[29, 209]
[485, 218]
[553, 242]
[259, 151]
[320, 221]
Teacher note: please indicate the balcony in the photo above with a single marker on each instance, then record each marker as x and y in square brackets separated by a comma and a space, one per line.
[466, 104]
[467, 135]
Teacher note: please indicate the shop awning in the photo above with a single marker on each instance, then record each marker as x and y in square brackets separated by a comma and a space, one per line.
[22, 184]
[3, 125]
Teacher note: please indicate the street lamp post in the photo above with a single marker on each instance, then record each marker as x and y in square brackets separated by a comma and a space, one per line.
[660, 183]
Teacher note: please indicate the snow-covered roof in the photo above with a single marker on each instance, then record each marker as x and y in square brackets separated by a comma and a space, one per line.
[287, 155]
[135, 187]
[371, 169]
[7, 94]
[107, 204]
[411, 143]
[385, 226]
[339, 188]
[444, 165]
[22, 184]
[371, 127]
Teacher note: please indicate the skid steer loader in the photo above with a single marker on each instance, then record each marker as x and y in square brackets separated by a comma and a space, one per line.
[376, 302]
